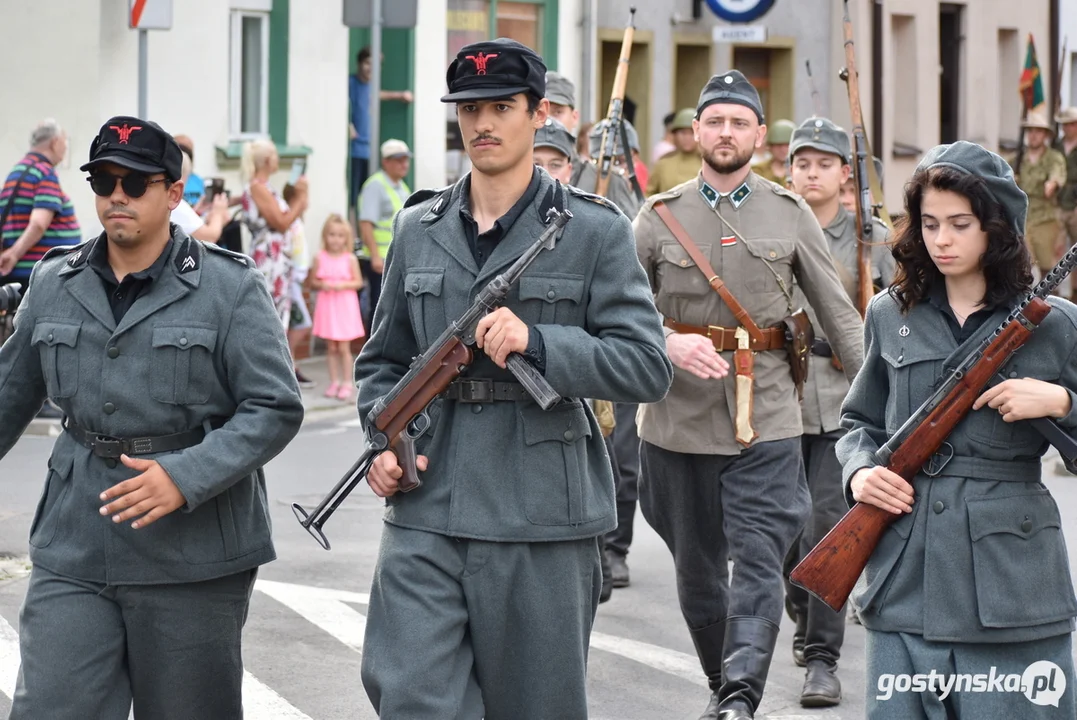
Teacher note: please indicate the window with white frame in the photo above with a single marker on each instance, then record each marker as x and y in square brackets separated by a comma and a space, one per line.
[249, 106]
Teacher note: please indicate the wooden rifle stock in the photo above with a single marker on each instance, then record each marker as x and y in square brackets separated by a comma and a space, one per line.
[865, 290]
[614, 113]
[831, 569]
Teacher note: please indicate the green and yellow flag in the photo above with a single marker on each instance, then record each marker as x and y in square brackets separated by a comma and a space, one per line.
[1031, 85]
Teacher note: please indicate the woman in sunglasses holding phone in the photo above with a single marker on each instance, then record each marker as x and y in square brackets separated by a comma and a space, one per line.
[171, 368]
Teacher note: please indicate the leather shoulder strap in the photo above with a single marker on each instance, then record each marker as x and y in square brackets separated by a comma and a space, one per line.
[704, 265]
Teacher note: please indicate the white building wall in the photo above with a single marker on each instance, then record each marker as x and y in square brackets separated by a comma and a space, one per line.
[318, 67]
[431, 50]
[64, 85]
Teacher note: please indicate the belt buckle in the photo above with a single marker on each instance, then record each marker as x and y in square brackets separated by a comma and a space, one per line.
[106, 446]
[477, 390]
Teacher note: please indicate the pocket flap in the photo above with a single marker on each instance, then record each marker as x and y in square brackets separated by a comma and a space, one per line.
[424, 282]
[674, 254]
[567, 423]
[771, 250]
[54, 333]
[913, 354]
[61, 461]
[552, 288]
[184, 338]
[1020, 515]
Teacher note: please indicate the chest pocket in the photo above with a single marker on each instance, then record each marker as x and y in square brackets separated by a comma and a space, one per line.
[426, 306]
[559, 297]
[57, 343]
[778, 254]
[913, 373]
[182, 362]
[677, 272]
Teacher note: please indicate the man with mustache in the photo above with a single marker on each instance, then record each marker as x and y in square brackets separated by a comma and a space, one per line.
[722, 475]
[172, 370]
[488, 577]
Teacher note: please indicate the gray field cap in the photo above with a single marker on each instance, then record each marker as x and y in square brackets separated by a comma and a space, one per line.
[823, 135]
[973, 159]
[595, 139]
[731, 87]
[560, 90]
[555, 135]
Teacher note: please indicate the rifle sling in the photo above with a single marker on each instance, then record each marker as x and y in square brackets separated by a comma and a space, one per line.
[716, 283]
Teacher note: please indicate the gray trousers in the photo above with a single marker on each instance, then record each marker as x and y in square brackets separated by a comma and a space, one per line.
[712, 508]
[88, 649]
[463, 629]
[626, 472]
[894, 656]
[825, 629]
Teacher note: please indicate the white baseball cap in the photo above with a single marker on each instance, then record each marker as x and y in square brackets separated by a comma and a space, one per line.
[394, 148]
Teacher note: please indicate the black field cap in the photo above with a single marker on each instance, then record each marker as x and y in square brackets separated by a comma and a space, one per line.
[140, 145]
[495, 69]
[731, 87]
[972, 159]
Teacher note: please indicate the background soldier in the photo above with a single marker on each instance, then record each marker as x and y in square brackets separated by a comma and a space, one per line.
[172, 370]
[683, 164]
[820, 154]
[712, 491]
[1041, 175]
[775, 168]
[488, 575]
[1067, 197]
[561, 92]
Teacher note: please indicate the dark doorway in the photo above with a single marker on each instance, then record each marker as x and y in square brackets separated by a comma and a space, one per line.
[950, 42]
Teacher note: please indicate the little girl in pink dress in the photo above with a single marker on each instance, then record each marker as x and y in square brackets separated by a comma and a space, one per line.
[335, 275]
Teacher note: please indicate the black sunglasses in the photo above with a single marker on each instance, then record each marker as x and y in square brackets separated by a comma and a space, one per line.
[134, 184]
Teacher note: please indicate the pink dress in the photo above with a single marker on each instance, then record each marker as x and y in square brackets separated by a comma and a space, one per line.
[336, 312]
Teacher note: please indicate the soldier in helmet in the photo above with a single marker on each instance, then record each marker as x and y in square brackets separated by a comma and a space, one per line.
[683, 164]
[775, 168]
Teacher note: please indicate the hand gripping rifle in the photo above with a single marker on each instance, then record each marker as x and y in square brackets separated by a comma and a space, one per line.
[863, 168]
[400, 418]
[831, 569]
[615, 130]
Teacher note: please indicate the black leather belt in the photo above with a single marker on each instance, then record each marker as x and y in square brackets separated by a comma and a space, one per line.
[106, 446]
[480, 390]
[821, 348]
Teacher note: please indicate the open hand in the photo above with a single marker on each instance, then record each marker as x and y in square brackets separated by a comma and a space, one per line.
[384, 475]
[500, 333]
[148, 496]
[1025, 399]
[882, 488]
[696, 354]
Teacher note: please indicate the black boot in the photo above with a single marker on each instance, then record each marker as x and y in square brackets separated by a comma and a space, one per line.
[710, 646]
[618, 568]
[821, 685]
[749, 647]
[799, 635]
[607, 579]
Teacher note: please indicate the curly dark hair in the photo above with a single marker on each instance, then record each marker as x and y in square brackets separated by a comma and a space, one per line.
[1007, 265]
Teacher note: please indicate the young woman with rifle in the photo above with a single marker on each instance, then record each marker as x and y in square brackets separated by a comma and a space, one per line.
[967, 599]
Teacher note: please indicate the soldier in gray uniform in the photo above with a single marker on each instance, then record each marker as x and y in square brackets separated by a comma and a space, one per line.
[721, 463]
[973, 578]
[488, 576]
[172, 370]
[820, 154]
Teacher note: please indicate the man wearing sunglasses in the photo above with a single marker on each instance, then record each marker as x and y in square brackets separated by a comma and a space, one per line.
[172, 370]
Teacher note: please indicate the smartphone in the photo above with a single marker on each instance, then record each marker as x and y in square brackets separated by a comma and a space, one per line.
[298, 168]
[214, 187]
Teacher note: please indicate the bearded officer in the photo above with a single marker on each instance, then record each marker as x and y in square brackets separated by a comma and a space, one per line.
[488, 576]
[172, 370]
[721, 472]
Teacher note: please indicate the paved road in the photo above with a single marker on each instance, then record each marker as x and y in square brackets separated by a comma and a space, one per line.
[304, 637]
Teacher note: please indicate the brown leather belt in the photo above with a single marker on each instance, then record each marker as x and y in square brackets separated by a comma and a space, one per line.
[724, 340]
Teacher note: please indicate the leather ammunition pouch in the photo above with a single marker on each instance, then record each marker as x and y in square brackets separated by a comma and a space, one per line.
[799, 339]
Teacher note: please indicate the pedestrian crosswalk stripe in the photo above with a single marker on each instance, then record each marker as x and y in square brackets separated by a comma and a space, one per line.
[323, 608]
[9, 658]
[260, 701]
[668, 661]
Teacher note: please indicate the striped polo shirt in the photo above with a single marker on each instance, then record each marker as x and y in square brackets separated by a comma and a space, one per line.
[38, 187]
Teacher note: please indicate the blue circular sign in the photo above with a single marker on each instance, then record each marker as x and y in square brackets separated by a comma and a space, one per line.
[740, 11]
